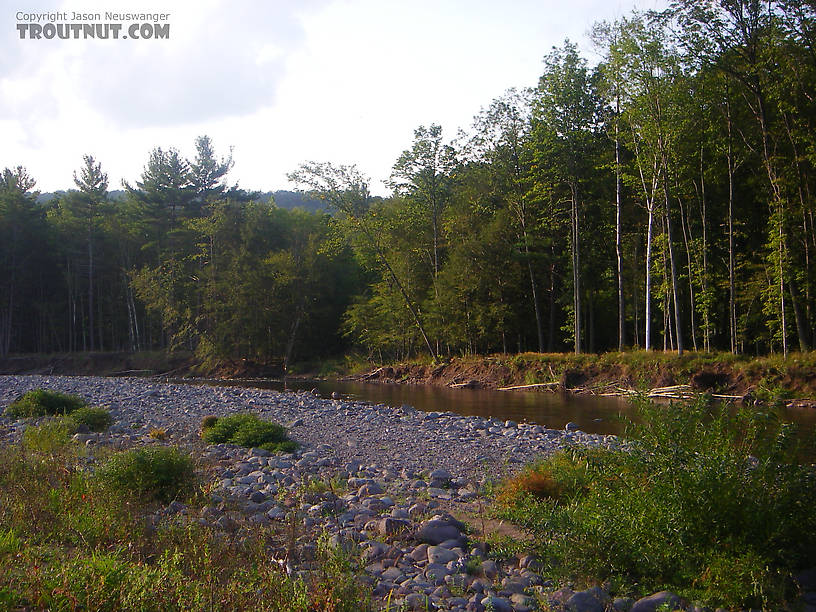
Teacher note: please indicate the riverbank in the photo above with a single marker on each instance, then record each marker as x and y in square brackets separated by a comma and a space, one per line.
[739, 377]
[764, 379]
[403, 494]
[402, 488]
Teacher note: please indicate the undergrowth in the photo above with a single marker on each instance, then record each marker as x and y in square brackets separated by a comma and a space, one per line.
[69, 540]
[247, 430]
[42, 402]
[711, 504]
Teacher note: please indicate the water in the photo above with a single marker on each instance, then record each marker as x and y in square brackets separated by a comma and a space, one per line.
[553, 410]
[593, 414]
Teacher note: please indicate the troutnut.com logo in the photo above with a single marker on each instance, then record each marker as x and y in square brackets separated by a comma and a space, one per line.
[108, 25]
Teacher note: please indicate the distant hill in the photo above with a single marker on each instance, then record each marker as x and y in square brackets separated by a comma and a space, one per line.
[293, 199]
[282, 198]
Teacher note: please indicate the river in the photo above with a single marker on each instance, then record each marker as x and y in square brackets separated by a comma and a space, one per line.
[554, 410]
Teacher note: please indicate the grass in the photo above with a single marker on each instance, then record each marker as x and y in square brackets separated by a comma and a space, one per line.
[769, 379]
[160, 472]
[707, 503]
[42, 402]
[69, 540]
[249, 431]
[95, 419]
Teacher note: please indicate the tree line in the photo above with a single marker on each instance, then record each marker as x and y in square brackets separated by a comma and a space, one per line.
[660, 199]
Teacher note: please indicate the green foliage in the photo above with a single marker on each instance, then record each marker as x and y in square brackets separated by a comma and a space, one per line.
[159, 472]
[250, 431]
[710, 503]
[208, 421]
[96, 419]
[42, 402]
[49, 437]
[67, 543]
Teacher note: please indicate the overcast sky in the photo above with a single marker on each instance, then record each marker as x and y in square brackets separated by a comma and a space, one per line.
[279, 81]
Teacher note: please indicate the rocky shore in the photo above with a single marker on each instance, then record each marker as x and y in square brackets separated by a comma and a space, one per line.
[400, 487]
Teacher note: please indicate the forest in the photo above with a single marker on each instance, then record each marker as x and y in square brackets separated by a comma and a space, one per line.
[658, 197]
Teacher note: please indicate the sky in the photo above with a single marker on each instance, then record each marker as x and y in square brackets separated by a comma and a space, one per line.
[278, 82]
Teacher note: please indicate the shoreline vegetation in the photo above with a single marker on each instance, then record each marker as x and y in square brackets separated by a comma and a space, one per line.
[773, 379]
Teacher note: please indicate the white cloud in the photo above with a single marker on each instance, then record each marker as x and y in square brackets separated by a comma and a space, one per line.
[281, 80]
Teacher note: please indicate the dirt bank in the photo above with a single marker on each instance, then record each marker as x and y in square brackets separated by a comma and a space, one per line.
[751, 378]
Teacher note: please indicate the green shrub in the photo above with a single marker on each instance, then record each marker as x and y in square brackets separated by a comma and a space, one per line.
[208, 421]
[710, 503]
[51, 436]
[161, 472]
[96, 419]
[42, 402]
[249, 431]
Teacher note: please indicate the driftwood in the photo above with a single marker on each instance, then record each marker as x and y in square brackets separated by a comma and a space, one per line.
[130, 372]
[513, 388]
[371, 374]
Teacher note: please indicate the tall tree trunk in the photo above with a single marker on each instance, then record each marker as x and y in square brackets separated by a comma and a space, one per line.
[618, 248]
[647, 341]
[675, 291]
[686, 226]
[534, 290]
[91, 327]
[732, 308]
[800, 322]
[576, 272]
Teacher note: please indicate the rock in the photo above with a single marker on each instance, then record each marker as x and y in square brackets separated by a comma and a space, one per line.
[653, 602]
[443, 475]
[498, 604]
[489, 569]
[370, 489]
[437, 554]
[522, 602]
[227, 524]
[435, 573]
[415, 601]
[276, 514]
[438, 530]
[571, 426]
[257, 497]
[375, 551]
[391, 526]
[419, 553]
[591, 600]
[623, 604]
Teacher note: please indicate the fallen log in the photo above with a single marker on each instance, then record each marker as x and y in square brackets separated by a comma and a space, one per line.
[514, 387]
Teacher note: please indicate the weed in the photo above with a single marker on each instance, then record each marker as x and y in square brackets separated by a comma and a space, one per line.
[158, 433]
[49, 437]
[250, 431]
[164, 473]
[67, 543]
[42, 402]
[208, 421]
[95, 419]
[709, 503]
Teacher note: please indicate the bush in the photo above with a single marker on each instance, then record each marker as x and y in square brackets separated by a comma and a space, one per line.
[158, 433]
[95, 419]
[42, 402]
[160, 472]
[249, 431]
[700, 494]
[208, 421]
[49, 437]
